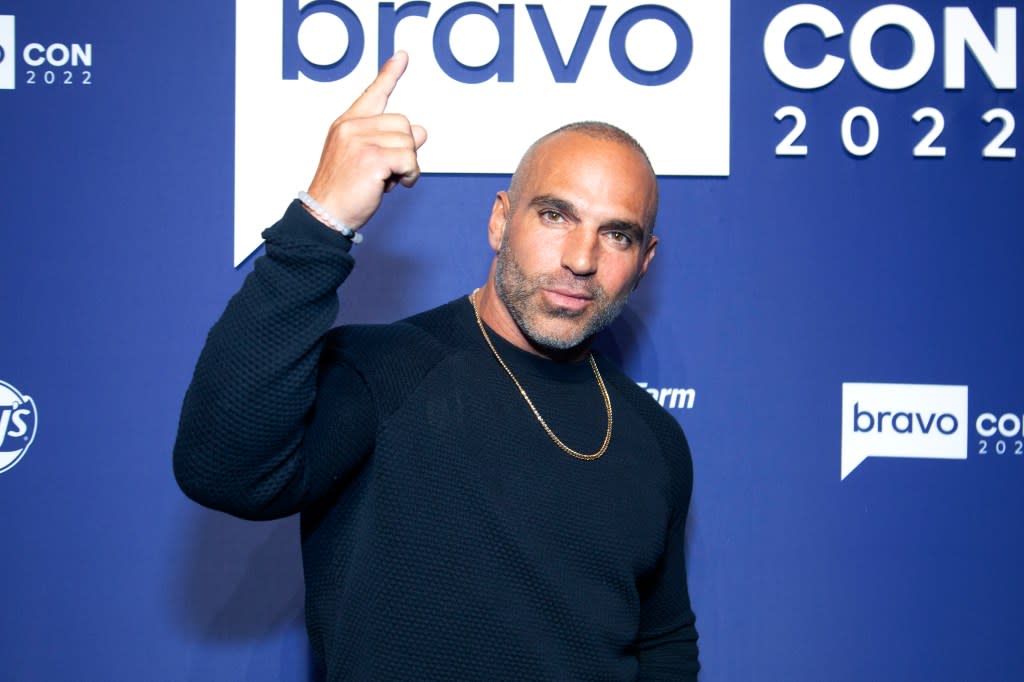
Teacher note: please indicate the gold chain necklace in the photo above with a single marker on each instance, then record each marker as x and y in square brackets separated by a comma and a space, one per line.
[547, 429]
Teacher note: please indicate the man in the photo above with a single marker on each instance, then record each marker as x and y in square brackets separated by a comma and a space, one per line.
[481, 498]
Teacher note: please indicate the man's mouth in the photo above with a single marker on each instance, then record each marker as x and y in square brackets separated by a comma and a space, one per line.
[571, 299]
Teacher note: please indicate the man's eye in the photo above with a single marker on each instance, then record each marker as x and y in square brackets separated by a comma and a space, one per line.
[552, 216]
[620, 238]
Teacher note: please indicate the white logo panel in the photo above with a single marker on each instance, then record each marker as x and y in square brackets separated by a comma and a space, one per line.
[484, 79]
[7, 53]
[903, 420]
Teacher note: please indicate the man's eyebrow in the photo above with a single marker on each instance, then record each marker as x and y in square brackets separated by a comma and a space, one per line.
[635, 230]
[561, 205]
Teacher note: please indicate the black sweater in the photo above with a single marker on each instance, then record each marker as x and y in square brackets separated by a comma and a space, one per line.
[444, 535]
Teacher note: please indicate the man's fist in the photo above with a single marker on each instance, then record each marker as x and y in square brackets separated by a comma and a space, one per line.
[368, 152]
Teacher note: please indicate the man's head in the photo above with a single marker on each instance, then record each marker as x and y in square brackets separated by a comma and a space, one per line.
[573, 233]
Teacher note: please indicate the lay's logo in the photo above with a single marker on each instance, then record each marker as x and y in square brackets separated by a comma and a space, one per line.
[18, 420]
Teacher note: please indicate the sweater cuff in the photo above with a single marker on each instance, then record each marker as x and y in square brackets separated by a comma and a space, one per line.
[298, 226]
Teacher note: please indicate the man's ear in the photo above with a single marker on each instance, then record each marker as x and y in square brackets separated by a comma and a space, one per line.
[500, 213]
[646, 258]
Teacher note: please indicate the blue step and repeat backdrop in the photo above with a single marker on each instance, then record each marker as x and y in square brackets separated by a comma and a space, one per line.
[834, 314]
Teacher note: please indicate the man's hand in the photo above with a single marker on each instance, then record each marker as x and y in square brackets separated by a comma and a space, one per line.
[368, 152]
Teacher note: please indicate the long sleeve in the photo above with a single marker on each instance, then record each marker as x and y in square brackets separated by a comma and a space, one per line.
[667, 642]
[259, 435]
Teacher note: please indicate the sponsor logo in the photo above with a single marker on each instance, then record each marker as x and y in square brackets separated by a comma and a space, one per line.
[671, 398]
[485, 79]
[903, 420]
[18, 421]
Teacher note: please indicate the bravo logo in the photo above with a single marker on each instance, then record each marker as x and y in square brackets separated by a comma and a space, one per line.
[18, 420]
[7, 49]
[484, 78]
[903, 420]
[502, 64]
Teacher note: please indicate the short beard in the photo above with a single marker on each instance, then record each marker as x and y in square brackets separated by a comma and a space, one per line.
[516, 291]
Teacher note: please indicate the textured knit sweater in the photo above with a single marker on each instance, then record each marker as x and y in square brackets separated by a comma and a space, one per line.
[444, 535]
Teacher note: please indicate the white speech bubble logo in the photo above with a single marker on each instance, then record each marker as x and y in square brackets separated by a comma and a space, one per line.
[7, 52]
[559, 62]
[903, 420]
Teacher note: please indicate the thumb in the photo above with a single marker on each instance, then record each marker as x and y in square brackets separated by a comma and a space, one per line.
[419, 135]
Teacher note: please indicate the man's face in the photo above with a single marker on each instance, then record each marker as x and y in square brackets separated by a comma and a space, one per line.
[572, 244]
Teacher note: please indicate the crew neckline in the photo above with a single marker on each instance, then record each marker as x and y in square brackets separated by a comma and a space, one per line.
[524, 362]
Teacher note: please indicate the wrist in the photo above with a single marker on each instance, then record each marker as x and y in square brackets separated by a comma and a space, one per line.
[324, 216]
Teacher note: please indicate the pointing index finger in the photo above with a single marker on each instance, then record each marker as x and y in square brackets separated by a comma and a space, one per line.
[375, 98]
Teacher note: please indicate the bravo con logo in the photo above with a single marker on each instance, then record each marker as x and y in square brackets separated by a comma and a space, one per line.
[485, 79]
[18, 421]
[892, 48]
[54, 64]
[903, 420]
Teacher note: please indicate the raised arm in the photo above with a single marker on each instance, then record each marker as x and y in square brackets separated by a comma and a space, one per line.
[263, 410]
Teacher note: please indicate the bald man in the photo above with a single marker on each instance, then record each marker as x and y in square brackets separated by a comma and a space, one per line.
[482, 497]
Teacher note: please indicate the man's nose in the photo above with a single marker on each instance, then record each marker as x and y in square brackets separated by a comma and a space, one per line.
[579, 251]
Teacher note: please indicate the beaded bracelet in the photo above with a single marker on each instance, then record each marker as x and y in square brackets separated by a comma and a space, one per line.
[321, 213]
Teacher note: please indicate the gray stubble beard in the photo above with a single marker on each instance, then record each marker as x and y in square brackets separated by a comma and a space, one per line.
[516, 290]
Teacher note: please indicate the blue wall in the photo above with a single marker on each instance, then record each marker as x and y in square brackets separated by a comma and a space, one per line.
[772, 287]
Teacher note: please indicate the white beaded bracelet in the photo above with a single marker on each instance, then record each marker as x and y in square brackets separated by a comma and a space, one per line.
[325, 217]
